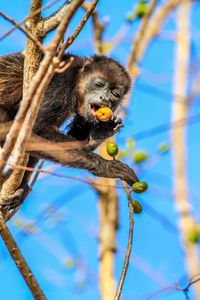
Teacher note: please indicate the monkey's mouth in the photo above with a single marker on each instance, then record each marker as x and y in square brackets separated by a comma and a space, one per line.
[94, 108]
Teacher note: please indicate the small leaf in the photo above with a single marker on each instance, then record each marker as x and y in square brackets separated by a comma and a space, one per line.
[130, 17]
[122, 154]
[106, 47]
[139, 157]
[130, 144]
[18, 223]
[193, 237]
[140, 10]
[69, 263]
[163, 148]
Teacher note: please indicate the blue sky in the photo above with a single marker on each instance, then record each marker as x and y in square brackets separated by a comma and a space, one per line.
[70, 233]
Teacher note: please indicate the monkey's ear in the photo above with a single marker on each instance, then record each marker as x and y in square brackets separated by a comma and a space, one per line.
[87, 65]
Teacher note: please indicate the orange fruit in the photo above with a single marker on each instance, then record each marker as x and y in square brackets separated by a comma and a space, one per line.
[104, 114]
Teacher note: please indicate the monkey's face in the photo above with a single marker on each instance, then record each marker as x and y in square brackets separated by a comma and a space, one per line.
[99, 92]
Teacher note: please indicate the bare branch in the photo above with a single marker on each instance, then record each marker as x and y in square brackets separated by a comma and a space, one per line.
[32, 38]
[28, 17]
[140, 34]
[130, 238]
[79, 28]
[147, 33]
[97, 27]
[51, 23]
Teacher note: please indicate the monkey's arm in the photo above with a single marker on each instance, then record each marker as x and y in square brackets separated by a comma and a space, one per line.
[94, 134]
[92, 162]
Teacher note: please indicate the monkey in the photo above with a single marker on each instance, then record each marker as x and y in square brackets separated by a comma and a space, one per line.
[75, 94]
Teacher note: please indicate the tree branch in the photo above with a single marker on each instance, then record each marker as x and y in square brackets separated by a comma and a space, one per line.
[32, 38]
[130, 239]
[50, 23]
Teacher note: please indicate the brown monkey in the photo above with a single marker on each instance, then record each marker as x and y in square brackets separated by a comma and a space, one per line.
[79, 91]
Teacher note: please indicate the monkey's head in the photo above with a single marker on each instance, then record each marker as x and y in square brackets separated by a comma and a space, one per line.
[103, 82]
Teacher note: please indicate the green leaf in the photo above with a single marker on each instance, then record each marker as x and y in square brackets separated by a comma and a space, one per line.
[139, 156]
[163, 148]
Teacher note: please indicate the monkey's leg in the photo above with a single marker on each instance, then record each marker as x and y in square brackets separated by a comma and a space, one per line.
[4, 129]
[19, 196]
[16, 199]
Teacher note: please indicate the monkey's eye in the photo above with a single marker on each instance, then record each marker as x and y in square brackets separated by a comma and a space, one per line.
[116, 94]
[99, 84]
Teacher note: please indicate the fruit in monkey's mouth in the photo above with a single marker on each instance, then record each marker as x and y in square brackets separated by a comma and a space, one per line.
[104, 114]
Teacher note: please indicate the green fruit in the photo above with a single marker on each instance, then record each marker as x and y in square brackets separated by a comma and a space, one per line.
[139, 157]
[137, 207]
[112, 149]
[139, 187]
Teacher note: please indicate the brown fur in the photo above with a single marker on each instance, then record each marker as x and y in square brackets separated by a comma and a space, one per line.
[87, 83]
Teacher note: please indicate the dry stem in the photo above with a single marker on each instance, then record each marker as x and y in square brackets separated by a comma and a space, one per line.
[148, 30]
[130, 239]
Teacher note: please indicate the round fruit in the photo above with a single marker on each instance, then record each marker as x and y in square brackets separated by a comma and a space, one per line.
[112, 149]
[137, 207]
[139, 187]
[104, 114]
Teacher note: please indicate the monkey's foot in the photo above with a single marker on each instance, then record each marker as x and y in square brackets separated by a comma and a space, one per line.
[14, 200]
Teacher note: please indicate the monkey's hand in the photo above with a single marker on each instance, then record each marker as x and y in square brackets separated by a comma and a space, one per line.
[104, 130]
[116, 169]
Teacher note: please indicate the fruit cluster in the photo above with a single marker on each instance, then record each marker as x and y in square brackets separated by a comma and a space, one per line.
[138, 187]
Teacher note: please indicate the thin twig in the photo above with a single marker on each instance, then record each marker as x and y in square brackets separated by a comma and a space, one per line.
[20, 261]
[25, 168]
[32, 38]
[28, 17]
[140, 34]
[175, 287]
[78, 29]
[130, 238]
[98, 28]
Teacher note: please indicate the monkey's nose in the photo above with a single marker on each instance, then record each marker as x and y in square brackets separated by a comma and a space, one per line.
[105, 101]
